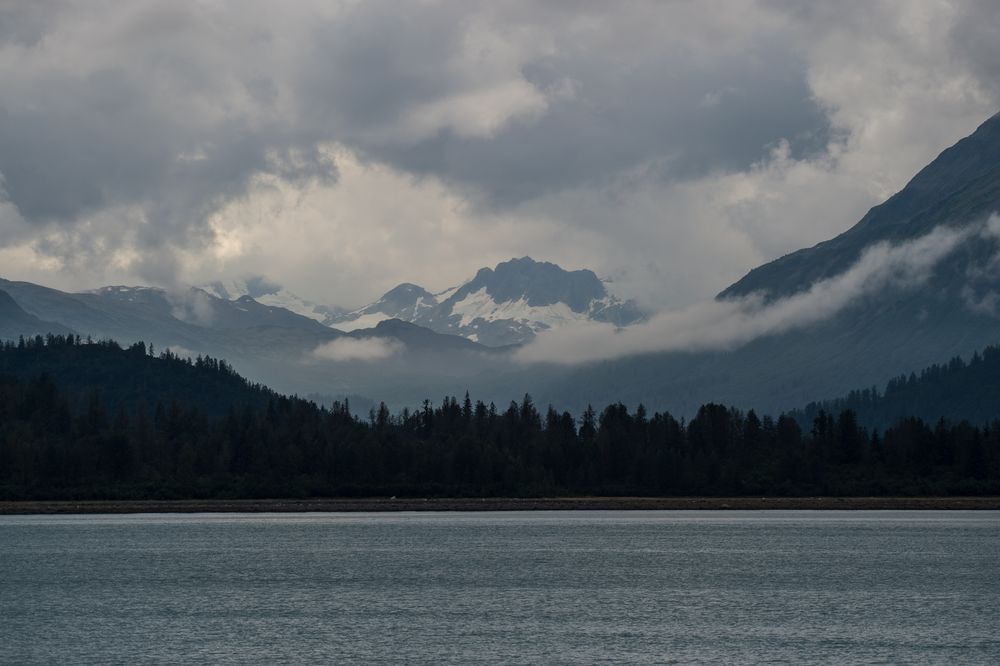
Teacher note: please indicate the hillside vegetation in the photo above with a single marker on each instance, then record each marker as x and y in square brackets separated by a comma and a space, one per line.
[82, 420]
[957, 391]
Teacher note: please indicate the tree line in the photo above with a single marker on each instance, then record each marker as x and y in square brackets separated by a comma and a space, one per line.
[958, 390]
[69, 440]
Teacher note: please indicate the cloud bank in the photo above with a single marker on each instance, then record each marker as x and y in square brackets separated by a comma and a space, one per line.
[339, 148]
[726, 324]
[358, 349]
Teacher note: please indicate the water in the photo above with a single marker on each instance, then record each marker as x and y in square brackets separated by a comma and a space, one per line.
[552, 587]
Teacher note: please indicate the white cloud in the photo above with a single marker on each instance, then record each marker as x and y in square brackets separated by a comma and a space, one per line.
[358, 349]
[670, 146]
[727, 324]
[480, 113]
[348, 243]
[191, 305]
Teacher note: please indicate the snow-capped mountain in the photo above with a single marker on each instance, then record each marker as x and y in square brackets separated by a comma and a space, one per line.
[406, 302]
[272, 295]
[200, 308]
[392, 360]
[505, 305]
[500, 306]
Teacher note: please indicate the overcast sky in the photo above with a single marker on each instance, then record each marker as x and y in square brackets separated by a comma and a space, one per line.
[342, 148]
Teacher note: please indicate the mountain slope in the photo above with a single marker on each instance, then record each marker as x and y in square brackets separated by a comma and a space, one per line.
[501, 306]
[957, 391]
[131, 378]
[15, 322]
[273, 295]
[195, 306]
[95, 421]
[960, 186]
[405, 302]
[953, 310]
[418, 337]
[267, 343]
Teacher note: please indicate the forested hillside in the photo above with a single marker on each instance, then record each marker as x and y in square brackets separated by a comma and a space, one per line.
[98, 421]
[959, 390]
[130, 378]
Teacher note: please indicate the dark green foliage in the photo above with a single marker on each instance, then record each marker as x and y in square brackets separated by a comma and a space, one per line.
[127, 377]
[957, 391]
[106, 422]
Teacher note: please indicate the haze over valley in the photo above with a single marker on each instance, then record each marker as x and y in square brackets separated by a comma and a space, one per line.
[912, 284]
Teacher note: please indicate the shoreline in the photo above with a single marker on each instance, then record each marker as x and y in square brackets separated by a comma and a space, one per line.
[383, 504]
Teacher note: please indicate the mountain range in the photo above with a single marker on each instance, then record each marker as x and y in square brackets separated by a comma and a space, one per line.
[290, 351]
[15, 321]
[274, 295]
[950, 309]
[505, 305]
[412, 344]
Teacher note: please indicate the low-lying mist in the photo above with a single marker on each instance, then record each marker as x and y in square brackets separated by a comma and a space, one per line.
[720, 325]
[358, 349]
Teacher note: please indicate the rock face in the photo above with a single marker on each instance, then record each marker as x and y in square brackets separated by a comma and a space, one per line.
[501, 306]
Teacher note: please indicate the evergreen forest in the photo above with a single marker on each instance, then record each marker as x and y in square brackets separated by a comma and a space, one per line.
[81, 419]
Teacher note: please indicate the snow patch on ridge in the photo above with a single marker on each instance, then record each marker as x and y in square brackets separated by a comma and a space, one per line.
[479, 305]
[276, 296]
[368, 320]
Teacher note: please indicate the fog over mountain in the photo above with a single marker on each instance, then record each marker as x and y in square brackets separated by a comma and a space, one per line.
[515, 198]
[728, 323]
[288, 350]
[501, 306]
[341, 149]
[506, 305]
[528, 269]
[912, 284]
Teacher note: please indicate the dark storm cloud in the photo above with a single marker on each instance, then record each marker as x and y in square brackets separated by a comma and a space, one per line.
[681, 128]
[167, 110]
[664, 98]
[25, 22]
[71, 145]
[140, 112]
[976, 39]
[128, 124]
[364, 69]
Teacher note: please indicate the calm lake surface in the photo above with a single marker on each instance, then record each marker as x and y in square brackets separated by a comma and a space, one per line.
[547, 587]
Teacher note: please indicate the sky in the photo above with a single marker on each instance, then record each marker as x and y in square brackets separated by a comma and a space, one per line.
[340, 148]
